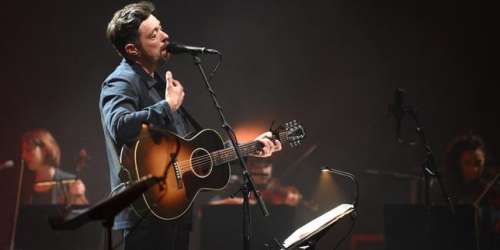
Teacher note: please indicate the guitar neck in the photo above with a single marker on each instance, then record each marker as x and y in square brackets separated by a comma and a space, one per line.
[229, 154]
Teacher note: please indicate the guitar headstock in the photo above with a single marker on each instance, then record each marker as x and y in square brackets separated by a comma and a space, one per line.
[291, 133]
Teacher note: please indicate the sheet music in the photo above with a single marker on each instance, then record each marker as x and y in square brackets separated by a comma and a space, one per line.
[318, 224]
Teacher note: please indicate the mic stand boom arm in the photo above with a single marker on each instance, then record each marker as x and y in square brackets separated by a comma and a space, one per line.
[248, 185]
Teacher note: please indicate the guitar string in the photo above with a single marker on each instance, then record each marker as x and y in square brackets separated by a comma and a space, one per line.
[217, 155]
[224, 154]
[201, 161]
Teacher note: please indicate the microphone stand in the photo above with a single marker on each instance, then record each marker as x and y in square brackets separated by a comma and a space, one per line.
[18, 205]
[248, 185]
[477, 208]
[429, 166]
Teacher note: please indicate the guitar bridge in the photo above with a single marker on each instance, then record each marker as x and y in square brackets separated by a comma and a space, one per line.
[178, 175]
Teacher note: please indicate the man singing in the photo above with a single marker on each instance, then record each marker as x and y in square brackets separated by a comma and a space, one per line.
[135, 93]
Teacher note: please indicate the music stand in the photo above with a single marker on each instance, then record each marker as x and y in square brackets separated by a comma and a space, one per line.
[34, 233]
[415, 227]
[105, 210]
[310, 233]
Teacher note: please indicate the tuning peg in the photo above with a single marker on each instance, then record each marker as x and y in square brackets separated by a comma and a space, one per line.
[272, 125]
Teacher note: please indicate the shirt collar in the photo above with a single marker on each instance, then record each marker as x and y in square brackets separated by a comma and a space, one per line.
[150, 82]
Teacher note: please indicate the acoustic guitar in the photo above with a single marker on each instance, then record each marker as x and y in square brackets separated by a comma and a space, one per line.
[187, 165]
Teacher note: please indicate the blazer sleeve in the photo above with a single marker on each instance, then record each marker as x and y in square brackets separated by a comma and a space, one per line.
[120, 107]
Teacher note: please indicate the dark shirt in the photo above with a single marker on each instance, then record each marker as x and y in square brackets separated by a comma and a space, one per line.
[130, 97]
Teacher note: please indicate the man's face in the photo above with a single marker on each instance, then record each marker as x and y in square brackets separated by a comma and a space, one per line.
[472, 164]
[153, 41]
[261, 171]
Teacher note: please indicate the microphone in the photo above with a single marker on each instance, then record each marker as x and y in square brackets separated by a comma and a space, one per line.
[398, 111]
[6, 164]
[176, 48]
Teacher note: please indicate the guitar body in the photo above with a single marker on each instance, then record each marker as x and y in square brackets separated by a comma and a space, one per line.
[188, 165]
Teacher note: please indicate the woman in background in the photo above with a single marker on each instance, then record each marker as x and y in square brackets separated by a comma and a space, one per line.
[44, 181]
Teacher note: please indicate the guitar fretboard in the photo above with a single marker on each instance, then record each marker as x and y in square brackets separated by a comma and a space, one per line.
[229, 154]
[226, 155]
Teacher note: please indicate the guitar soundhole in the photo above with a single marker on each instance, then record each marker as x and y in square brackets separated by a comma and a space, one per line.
[201, 162]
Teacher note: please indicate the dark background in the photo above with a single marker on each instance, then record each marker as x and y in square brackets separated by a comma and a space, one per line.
[333, 65]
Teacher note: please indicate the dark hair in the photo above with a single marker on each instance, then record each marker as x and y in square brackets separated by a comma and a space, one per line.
[124, 27]
[459, 145]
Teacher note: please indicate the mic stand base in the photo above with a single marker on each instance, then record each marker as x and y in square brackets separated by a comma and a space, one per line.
[246, 216]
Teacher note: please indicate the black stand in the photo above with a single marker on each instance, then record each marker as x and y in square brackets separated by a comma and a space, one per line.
[477, 208]
[429, 168]
[105, 210]
[108, 224]
[18, 204]
[248, 185]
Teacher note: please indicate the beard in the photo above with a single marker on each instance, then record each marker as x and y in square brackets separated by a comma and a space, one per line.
[164, 56]
[157, 60]
[162, 60]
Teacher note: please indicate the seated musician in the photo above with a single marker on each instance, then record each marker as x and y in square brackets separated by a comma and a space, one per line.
[44, 182]
[466, 171]
[271, 189]
[468, 176]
